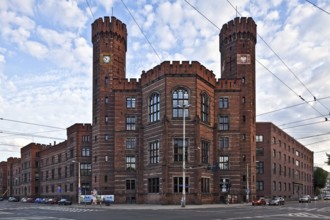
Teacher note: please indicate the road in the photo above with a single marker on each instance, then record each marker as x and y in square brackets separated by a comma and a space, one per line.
[291, 211]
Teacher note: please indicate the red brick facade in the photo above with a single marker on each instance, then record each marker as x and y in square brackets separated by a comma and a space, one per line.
[284, 166]
[3, 178]
[151, 171]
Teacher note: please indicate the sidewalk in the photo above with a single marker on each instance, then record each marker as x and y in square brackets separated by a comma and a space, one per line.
[160, 207]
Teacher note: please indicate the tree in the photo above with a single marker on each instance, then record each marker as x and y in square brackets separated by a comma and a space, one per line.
[320, 178]
[328, 162]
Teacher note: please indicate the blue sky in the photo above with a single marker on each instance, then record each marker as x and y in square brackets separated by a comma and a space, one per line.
[46, 60]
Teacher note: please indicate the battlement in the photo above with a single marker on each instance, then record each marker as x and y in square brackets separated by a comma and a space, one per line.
[177, 67]
[113, 26]
[238, 25]
[125, 84]
[79, 127]
[228, 84]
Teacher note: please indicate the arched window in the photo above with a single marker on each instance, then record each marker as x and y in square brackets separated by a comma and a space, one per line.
[154, 107]
[180, 97]
[205, 108]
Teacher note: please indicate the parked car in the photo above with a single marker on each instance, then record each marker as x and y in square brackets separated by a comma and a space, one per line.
[64, 202]
[52, 201]
[260, 201]
[305, 198]
[315, 198]
[326, 197]
[277, 200]
[1, 198]
[30, 200]
[40, 200]
[12, 199]
[23, 199]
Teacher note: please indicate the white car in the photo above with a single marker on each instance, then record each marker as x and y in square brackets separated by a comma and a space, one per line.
[327, 197]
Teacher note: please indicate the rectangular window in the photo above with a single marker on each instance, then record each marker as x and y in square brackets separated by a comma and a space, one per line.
[260, 167]
[85, 138]
[130, 123]
[224, 163]
[274, 168]
[205, 151]
[223, 123]
[205, 185]
[130, 163]
[130, 143]
[178, 184]
[154, 152]
[130, 102]
[224, 142]
[71, 169]
[260, 151]
[85, 169]
[259, 138]
[223, 102]
[153, 185]
[260, 186]
[130, 184]
[59, 173]
[86, 152]
[274, 185]
[178, 149]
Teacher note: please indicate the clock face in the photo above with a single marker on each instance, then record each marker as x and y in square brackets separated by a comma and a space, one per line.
[106, 59]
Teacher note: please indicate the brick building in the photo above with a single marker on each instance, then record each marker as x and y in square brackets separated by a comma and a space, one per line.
[3, 178]
[284, 166]
[138, 124]
[13, 176]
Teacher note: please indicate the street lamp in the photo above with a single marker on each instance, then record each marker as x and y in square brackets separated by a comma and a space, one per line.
[183, 202]
[79, 185]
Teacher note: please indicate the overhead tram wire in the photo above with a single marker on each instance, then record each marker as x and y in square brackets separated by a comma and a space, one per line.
[259, 61]
[29, 135]
[296, 126]
[315, 99]
[90, 9]
[29, 123]
[141, 31]
[317, 7]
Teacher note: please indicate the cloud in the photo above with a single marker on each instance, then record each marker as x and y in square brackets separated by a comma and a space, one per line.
[64, 13]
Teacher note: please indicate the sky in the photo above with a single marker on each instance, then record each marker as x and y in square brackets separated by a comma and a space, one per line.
[46, 60]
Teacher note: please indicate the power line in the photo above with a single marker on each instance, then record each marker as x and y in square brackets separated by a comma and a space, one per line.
[141, 31]
[317, 7]
[90, 9]
[29, 135]
[202, 14]
[29, 123]
[315, 99]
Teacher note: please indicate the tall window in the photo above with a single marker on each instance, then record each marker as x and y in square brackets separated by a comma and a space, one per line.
[154, 108]
[224, 142]
[223, 123]
[130, 102]
[205, 151]
[86, 152]
[178, 149]
[130, 123]
[223, 102]
[178, 184]
[205, 185]
[224, 163]
[180, 97]
[153, 185]
[274, 168]
[130, 184]
[154, 152]
[260, 151]
[205, 108]
[259, 138]
[130, 163]
[260, 167]
[85, 169]
[130, 143]
[260, 186]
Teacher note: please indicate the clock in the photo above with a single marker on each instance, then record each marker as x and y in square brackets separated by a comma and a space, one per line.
[106, 58]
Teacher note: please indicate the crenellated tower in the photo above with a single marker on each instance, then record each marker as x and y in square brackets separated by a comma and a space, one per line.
[237, 48]
[109, 38]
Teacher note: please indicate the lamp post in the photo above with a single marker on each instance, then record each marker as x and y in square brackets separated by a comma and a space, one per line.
[183, 202]
[79, 185]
